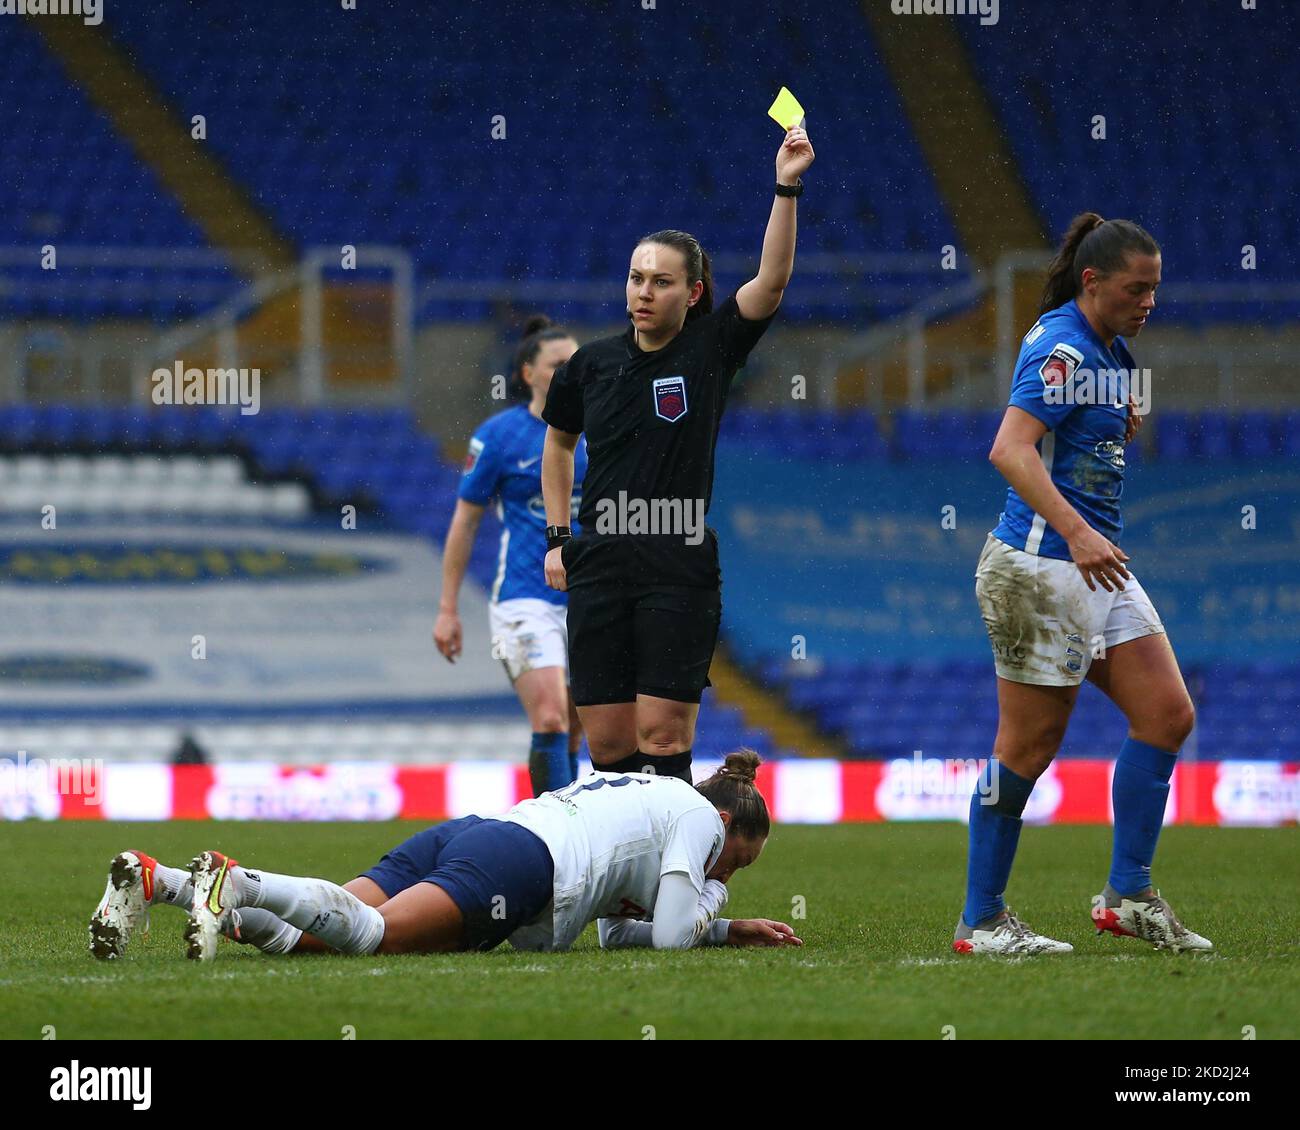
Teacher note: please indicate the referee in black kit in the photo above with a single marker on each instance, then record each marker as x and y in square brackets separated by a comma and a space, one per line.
[643, 576]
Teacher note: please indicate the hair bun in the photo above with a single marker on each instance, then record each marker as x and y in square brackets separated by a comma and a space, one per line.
[743, 765]
[536, 324]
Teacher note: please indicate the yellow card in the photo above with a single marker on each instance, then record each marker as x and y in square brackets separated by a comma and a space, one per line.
[786, 111]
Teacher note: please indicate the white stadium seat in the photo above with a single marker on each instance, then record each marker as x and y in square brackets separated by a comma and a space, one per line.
[33, 469]
[173, 486]
[147, 469]
[284, 743]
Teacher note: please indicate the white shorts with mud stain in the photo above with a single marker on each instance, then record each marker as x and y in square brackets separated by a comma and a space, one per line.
[1046, 626]
[528, 633]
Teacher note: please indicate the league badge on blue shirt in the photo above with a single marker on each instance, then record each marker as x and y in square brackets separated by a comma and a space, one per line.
[471, 458]
[1060, 365]
[670, 398]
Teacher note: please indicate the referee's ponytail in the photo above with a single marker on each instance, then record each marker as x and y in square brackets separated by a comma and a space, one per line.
[1092, 242]
[698, 268]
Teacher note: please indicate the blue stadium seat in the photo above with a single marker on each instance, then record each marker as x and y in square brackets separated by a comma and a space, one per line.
[881, 708]
[1290, 436]
[1256, 435]
[1200, 213]
[1174, 435]
[1212, 438]
[288, 151]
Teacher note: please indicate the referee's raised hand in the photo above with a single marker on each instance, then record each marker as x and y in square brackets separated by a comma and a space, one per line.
[794, 156]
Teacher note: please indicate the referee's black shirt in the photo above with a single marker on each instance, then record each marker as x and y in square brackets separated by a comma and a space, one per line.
[651, 421]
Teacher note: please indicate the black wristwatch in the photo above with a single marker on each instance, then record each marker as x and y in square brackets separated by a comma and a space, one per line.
[795, 189]
[557, 536]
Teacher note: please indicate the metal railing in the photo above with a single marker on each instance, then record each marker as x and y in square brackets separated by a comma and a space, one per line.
[1228, 366]
[213, 282]
[821, 279]
[308, 280]
[986, 374]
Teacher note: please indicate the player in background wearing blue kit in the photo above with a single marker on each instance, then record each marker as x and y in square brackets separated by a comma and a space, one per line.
[1060, 603]
[529, 632]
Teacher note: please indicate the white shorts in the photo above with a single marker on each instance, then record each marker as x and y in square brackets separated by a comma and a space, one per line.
[1046, 626]
[528, 633]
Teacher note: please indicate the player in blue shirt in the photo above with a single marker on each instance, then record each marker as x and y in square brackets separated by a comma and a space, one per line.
[1059, 601]
[529, 633]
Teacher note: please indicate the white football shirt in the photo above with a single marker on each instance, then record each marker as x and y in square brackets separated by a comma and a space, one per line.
[611, 837]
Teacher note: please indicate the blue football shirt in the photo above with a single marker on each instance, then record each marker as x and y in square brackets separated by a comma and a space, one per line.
[1068, 378]
[504, 464]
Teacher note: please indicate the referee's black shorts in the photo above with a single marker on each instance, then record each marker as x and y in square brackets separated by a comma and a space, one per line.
[630, 639]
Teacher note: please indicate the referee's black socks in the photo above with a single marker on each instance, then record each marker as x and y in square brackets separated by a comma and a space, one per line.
[664, 765]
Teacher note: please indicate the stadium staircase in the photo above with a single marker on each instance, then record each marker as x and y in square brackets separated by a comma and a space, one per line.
[976, 175]
[961, 139]
[213, 199]
[763, 709]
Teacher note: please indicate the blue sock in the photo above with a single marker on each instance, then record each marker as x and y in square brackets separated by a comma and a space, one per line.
[994, 833]
[575, 758]
[548, 762]
[1139, 791]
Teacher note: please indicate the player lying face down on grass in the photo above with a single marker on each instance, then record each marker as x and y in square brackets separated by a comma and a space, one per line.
[646, 857]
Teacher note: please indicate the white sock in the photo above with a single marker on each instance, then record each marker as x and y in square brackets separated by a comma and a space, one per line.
[316, 906]
[262, 929]
[172, 885]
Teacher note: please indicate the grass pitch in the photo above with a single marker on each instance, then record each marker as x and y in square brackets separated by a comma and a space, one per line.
[880, 904]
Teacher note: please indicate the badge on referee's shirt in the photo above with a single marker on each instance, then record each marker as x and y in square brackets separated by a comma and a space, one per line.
[670, 398]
